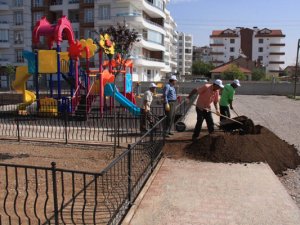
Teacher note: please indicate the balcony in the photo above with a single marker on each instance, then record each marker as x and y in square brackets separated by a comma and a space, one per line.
[217, 53]
[4, 44]
[152, 8]
[4, 25]
[149, 62]
[277, 53]
[4, 6]
[276, 62]
[4, 61]
[216, 45]
[277, 44]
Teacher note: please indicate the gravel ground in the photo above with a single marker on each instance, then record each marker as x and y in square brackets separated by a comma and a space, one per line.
[281, 115]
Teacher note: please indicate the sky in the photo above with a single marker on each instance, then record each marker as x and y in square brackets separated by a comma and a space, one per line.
[200, 17]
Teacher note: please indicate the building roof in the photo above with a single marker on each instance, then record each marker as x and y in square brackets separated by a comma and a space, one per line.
[260, 33]
[269, 33]
[226, 66]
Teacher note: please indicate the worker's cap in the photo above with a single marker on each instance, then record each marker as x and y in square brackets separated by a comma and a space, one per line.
[173, 77]
[219, 83]
[237, 82]
[152, 85]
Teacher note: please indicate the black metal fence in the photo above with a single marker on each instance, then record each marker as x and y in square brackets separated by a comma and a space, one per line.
[93, 128]
[48, 195]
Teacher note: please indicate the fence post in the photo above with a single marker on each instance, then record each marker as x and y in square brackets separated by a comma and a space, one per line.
[18, 128]
[129, 173]
[53, 169]
[118, 123]
[66, 126]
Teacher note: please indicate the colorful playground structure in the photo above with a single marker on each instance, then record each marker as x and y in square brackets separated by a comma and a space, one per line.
[88, 88]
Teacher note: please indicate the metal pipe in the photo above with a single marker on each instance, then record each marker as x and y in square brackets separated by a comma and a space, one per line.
[296, 70]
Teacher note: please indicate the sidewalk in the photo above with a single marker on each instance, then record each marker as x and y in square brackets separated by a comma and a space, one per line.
[191, 192]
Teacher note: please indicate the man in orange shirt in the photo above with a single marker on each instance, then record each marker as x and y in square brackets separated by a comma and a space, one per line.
[207, 94]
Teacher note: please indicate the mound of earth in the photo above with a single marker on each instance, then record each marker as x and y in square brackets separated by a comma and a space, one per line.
[264, 146]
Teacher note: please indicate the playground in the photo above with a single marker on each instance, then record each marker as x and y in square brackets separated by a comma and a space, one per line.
[90, 89]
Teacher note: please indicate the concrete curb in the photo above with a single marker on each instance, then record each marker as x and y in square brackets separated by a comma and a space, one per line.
[139, 199]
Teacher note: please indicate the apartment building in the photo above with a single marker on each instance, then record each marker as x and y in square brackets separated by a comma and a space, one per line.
[262, 45]
[171, 39]
[185, 53]
[153, 55]
[202, 54]
[15, 35]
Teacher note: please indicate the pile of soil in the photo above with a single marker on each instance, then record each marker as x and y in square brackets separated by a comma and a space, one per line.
[264, 146]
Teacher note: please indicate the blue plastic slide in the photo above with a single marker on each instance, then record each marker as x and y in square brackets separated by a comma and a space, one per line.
[109, 91]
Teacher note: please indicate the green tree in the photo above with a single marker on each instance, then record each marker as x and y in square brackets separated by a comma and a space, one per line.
[202, 68]
[233, 72]
[258, 74]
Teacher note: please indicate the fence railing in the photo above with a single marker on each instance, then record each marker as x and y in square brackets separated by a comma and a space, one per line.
[49, 195]
[67, 128]
[47, 124]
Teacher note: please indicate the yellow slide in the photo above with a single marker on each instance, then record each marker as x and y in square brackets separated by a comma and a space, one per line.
[19, 84]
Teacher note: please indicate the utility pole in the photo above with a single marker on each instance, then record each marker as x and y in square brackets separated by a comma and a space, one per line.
[296, 70]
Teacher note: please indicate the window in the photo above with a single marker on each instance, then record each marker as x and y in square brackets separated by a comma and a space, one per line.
[260, 49]
[74, 16]
[180, 50]
[3, 81]
[19, 37]
[88, 1]
[155, 37]
[104, 12]
[18, 17]
[231, 58]
[19, 56]
[232, 41]
[37, 16]
[260, 58]
[18, 3]
[76, 33]
[73, 1]
[88, 33]
[260, 41]
[3, 35]
[180, 38]
[231, 49]
[89, 15]
[180, 57]
[38, 3]
[188, 51]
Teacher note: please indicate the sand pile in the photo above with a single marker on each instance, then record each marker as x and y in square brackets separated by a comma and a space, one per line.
[264, 146]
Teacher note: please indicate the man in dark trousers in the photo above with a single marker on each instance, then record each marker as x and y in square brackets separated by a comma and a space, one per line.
[227, 98]
[207, 94]
[170, 99]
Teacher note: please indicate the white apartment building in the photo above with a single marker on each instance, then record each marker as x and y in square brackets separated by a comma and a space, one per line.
[15, 34]
[262, 45]
[157, 33]
[185, 54]
[171, 39]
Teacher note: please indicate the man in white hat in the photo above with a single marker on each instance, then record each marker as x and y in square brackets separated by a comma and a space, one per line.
[170, 99]
[146, 103]
[227, 98]
[207, 94]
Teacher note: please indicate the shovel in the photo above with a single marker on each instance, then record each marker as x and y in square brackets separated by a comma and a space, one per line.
[235, 112]
[222, 116]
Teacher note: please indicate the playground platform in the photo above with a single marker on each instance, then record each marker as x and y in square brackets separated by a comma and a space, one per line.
[191, 192]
